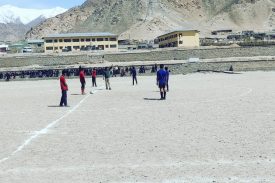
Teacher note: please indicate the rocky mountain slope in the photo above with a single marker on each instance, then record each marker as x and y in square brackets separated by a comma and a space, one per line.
[146, 19]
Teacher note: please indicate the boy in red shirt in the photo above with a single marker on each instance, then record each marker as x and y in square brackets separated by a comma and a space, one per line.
[82, 80]
[64, 89]
[94, 77]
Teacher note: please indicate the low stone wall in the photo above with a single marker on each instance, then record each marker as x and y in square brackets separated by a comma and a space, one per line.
[158, 55]
[219, 66]
[48, 60]
[196, 53]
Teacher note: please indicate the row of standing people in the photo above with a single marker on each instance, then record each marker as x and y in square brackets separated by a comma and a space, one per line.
[51, 73]
[162, 81]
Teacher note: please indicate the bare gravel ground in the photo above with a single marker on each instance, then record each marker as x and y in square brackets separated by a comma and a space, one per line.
[212, 128]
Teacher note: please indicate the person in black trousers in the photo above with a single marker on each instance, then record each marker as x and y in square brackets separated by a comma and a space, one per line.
[64, 89]
[134, 75]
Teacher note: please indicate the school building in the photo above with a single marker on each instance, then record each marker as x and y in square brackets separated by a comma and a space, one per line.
[180, 38]
[55, 43]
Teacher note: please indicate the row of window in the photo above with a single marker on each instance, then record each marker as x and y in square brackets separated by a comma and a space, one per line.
[79, 40]
[170, 37]
[78, 47]
[180, 42]
[172, 44]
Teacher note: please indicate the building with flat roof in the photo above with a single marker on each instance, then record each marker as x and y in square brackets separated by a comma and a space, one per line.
[80, 42]
[37, 45]
[180, 38]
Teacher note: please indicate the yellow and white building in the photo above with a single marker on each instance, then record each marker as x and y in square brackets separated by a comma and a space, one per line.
[55, 43]
[180, 38]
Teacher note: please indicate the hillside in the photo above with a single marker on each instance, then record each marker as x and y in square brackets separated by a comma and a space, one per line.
[140, 19]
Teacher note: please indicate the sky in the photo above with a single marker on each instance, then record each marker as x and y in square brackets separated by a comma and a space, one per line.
[42, 4]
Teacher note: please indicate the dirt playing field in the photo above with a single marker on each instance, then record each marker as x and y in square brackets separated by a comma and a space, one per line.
[211, 128]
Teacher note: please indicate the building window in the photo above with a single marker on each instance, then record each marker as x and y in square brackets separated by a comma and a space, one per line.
[113, 39]
[39, 45]
[60, 40]
[55, 40]
[55, 48]
[76, 47]
[75, 40]
[49, 48]
[106, 46]
[180, 42]
[82, 40]
[113, 46]
[88, 40]
[61, 47]
[106, 39]
[49, 41]
[67, 40]
[101, 47]
[93, 39]
[99, 39]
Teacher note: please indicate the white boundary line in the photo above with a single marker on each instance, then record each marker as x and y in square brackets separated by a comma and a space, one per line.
[45, 130]
[42, 131]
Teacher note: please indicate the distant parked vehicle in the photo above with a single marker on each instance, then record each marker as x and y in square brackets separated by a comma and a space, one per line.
[88, 48]
[27, 50]
[65, 50]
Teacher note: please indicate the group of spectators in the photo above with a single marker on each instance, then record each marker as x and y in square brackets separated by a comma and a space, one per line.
[73, 72]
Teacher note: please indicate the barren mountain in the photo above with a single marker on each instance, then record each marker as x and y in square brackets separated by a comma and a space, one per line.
[146, 19]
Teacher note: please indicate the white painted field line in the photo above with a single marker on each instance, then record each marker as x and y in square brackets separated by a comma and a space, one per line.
[96, 90]
[43, 131]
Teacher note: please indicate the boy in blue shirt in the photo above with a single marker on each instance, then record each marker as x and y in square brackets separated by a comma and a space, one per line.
[161, 81]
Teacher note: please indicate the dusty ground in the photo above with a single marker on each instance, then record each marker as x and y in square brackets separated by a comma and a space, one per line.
[212, 128]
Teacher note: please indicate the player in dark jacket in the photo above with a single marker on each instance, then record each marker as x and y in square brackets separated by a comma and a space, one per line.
[106, 75]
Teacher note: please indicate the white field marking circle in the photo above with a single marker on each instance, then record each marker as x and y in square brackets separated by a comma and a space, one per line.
[43, 131]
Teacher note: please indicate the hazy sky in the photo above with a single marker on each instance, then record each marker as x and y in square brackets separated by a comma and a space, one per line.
[42, 3]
